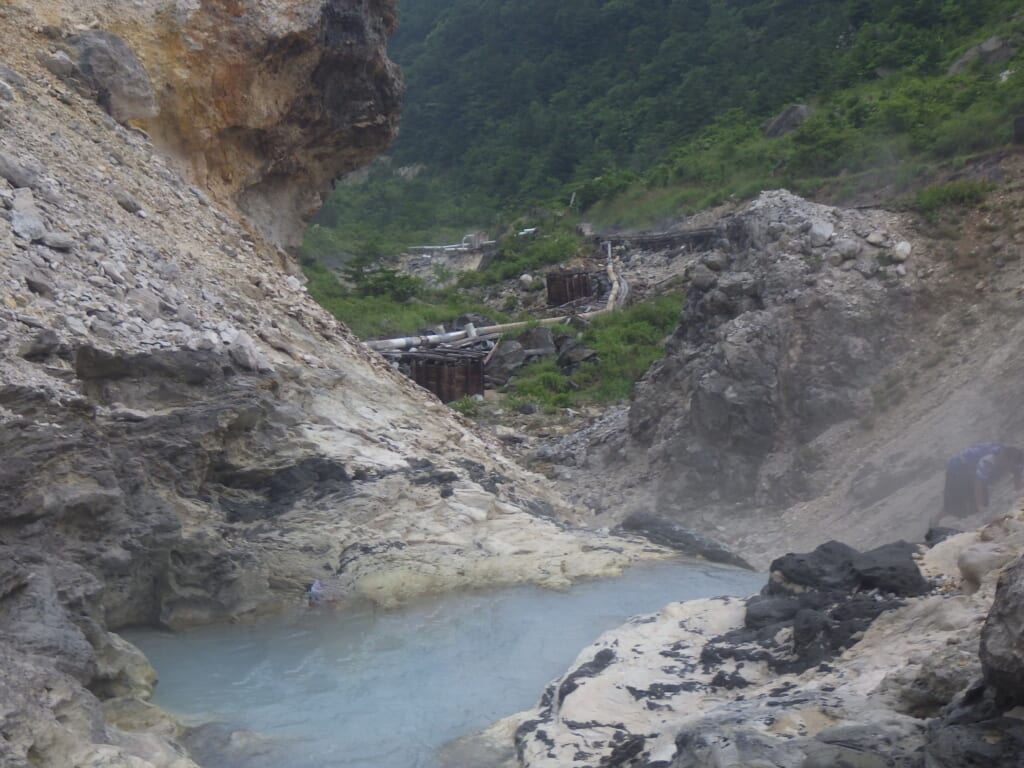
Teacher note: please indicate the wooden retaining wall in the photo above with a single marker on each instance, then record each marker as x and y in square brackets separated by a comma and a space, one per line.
[566, 286]
[450, 374]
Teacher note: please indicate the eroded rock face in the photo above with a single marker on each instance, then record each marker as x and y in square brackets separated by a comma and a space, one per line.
[265, 102]
[775, 345]
[1002, 639]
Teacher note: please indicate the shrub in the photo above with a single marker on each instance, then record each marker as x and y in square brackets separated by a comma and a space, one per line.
[543, 384]
[519, 255]
[391, 283]
[627, 344]
[931, 200]
[466, 405]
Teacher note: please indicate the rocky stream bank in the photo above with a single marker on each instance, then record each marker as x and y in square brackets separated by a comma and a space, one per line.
[900, 656]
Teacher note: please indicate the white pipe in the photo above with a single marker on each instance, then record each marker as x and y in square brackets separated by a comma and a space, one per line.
[441, 338]
[470, 332]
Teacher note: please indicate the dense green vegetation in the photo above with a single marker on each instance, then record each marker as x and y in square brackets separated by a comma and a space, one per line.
[931, 200]
[385, 303]
[377, 301]
[644, 108]
[518, 255]
[627, 343]
[627, 113]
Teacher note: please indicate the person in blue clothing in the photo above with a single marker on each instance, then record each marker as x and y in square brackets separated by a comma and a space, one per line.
[315, 593]
[971, 472]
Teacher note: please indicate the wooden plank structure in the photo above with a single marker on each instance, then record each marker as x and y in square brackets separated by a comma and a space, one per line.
[448, 373]
[566, 286]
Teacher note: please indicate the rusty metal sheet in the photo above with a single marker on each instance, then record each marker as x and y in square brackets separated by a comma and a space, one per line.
[566, 286]
[449, 374]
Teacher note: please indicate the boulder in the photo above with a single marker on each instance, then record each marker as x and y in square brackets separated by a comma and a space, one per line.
[59, 241]
[892, 743]
[702, 277]
[244, 352]
[835, 566]
[538, 342]
[58, 62]
[26, 219]
[978, 561]
[1002, 638]
[715, 260]
[42, 346]
[994, 743]
[821, 233]
[111, 68]
[848, 248]
[11, 77]
[995, 50]
[787, 121]
[17, 172]
[508, 358]
[902, 251]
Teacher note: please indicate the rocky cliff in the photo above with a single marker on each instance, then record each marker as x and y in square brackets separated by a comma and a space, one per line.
[186, 436]
[262, 103]
[827, 363]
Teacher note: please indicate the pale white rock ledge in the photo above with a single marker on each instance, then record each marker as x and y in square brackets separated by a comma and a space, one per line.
[655, 691]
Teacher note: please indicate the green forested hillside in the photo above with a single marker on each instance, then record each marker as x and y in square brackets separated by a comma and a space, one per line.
[658, 103]
[519, 96]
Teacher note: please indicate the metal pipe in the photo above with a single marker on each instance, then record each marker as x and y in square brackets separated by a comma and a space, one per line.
[441, 338]
[406, 342]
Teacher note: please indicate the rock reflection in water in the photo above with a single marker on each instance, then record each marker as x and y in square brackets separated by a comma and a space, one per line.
[387, 689]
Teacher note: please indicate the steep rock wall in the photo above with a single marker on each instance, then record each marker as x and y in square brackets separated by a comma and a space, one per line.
[781, 337]
[827, 364]
[186, 436]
